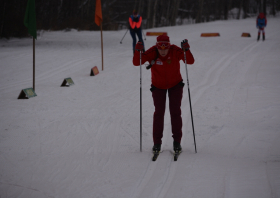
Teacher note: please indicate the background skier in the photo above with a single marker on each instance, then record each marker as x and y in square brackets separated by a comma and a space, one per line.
[261, 24]
[164, 60]
[135, 21]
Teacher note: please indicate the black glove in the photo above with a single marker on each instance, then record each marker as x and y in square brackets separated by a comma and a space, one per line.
[185, 45]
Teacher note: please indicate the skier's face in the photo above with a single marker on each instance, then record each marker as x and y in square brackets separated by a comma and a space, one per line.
[163, 52]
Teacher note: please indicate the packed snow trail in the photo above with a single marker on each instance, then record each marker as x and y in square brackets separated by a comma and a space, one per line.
[83, 140]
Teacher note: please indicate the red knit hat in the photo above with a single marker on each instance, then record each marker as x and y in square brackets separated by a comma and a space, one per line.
[163, 42]
[261, 15]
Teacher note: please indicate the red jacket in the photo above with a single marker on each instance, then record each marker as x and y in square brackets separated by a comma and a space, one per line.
[166, 70]
[135, 23]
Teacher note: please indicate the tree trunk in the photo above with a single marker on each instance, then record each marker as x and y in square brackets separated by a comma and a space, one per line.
[149, 18]
[140, 7]
[264, 7]
[226, 9]
[3, 17]
[199, 11]
[273, 12]
[175, 12]
[167, 23]
[155, 13]
[229, 6]
[239, 12]
[217, 10]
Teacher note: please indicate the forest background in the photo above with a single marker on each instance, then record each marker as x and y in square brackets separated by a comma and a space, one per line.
[54, 15]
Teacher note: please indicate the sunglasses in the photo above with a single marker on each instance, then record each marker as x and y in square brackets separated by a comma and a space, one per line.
[163, 45]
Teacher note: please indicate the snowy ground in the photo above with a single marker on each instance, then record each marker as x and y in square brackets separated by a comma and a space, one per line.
[83, 140]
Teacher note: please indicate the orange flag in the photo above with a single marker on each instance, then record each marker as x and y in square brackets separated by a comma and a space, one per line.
[98, 12]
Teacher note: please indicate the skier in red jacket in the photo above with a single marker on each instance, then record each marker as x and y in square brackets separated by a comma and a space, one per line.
[164, 61]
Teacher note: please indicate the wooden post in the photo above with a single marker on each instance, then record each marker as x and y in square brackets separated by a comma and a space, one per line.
[101, 42]
[34, 63]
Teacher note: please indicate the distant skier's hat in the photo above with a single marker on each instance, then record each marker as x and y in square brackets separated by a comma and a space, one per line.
[163, 42]
[135, 12]
[261, 15]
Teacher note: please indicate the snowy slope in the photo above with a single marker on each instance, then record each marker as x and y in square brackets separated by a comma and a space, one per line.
[83, 140]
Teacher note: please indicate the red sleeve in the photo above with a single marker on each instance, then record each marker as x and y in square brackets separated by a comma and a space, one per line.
[149, 55]
[180, 54]
[138, 24]
[189, 57]
[131, 23]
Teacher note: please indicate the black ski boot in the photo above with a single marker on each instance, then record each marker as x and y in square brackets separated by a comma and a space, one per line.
[258, 38]
[177, 150]
[156, 151]
[177, 147]
[156, 148]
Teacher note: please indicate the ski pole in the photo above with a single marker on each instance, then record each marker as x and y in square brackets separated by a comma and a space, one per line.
[190, 99]
[140, 101]
[124, 36]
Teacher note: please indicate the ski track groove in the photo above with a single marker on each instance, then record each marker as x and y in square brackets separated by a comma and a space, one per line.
[216, 72]
[150, 171]
[27, 188]
[143, 181]
[46, 75]
[169, 177]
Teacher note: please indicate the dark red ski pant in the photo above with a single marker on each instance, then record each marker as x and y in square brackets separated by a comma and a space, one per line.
[175, 95]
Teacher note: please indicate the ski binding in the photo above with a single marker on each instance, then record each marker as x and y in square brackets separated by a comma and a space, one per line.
[176, 155]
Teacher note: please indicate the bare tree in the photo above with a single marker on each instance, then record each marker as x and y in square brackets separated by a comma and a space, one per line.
[154, 14]
[226, 8]
[264, 7]
[199, 11]
[140, 7]
[239, 11]
[273, 10]
[149, 18]
[3, 10]
[174, 11]
[168, 13]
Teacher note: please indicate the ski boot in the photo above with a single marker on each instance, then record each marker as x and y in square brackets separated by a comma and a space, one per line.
[177, 150]
[156, 151]
[156, 148]
[177, 147]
